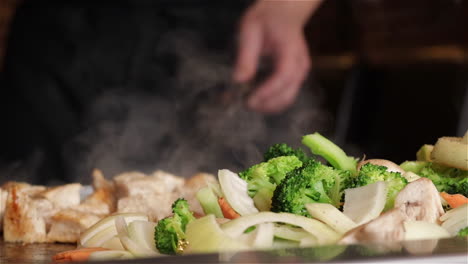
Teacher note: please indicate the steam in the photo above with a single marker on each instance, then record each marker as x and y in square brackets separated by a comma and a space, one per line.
[185, 128]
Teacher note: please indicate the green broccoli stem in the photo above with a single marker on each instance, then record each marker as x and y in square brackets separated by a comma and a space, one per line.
[414, 166]
[319, 145]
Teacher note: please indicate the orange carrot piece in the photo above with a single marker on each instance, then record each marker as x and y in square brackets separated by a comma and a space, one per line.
[454, 200]
[81, 254]
[227, 210]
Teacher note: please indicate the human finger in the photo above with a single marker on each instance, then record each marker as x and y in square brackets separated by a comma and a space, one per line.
[280, 101]
[291, 68]
[249, 49]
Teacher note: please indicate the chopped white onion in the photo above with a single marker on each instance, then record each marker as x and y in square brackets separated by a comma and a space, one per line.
[235, 191]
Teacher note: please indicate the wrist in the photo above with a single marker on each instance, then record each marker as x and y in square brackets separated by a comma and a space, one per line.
[296, 11]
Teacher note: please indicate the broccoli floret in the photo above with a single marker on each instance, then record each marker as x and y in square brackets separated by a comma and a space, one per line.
[169, 233]
[282, 149]
[181, 208]
[269, 174]
[446, 179]
[275, 169]
[319, 145]
[463, 232]
[343, 181]
[462, 187]
[263, 178]
[371, 173]
[309, 184]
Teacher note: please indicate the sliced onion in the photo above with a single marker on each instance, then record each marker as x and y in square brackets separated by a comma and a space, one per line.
[136, 249]
[457, 212]
[101, 237]
[263, 236]
[365, 203]
[291, 233]
[128, 243]
[420, 247]
[260, 238]
[420, 230]
[322, 232]
[280, 243]
[121, 226]
[205, 236]
[209, 202]
[235, 192]
[142, 232]
[455, 219]
[331, 216]
[309, 241]
[113, 243]
[108, 222]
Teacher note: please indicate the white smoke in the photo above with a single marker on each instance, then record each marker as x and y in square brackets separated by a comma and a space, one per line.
[189, 131]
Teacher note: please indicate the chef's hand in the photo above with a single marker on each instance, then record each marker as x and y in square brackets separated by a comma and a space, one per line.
[274, 28]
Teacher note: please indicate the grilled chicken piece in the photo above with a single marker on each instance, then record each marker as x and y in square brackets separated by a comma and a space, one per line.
[122, 180]
[104, 191]
[191, 187]
[24, 216]
[154, 194]
[198, 181]
[387, 227]
[25, 187]
[40, 214]
[3, 198]
[156, 206]
[420, 201]
[171, 182]
[68, 224]
[100, 202]
[62, 196]
[150, 194]
[135, 183]
[100, 182]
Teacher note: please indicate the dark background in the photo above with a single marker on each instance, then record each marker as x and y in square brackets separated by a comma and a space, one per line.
[130, 85]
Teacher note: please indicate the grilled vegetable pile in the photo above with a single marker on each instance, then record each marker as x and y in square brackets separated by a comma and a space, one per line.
[291, 199]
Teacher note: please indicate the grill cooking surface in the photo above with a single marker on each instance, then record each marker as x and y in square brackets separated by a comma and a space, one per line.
[447, 251]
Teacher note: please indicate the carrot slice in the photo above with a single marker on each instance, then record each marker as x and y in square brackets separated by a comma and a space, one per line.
[227, 210]
[81, 254]
[454, 200]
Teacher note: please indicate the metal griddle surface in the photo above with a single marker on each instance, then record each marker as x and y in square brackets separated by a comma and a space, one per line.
[30, 253]
[454, 250]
